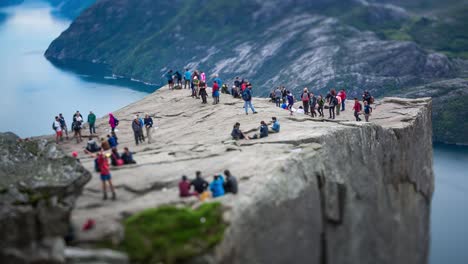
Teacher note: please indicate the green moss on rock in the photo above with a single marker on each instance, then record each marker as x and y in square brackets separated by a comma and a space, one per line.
[170, 235]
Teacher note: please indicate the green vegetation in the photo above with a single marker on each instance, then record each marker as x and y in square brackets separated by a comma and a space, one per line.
[450, 120]
[170, 235]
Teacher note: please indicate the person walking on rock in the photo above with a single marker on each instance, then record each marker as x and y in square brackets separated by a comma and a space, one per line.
[357, 109]
[247, 97]
[136, 127]
[149, 126]
[290, 99]
[92, 122]
[113, 122]
[367, 110]
[313, 103]
[58, 130]
[305, 97]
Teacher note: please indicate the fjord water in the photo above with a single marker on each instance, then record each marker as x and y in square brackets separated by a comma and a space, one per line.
[450, 205]
[33, 91]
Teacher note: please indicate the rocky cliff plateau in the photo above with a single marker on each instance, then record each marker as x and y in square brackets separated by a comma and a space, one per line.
[385, 46]
[319, 191]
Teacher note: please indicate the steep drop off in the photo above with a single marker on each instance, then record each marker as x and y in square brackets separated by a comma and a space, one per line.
[317, 192]
[319, 44]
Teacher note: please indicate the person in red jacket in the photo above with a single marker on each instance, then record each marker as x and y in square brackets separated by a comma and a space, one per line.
[103, 165]
[343, 99]
[184, 188]
[215, 92]
[357, 109]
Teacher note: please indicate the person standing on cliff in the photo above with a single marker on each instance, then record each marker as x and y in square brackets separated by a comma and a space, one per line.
[215, 92]
[332, 102]
[367, 110]
[202, 92]
[77, 125]
[195, 87]
[149, 126]
[357, 109]
[92, 122]
[103, 165]
[63, 125]
[58, 130]
[338, 104]
[113, 122]
[278, 94]
[170, 79]
[290, 99]
[313, 103]
[136, 127]
[178, 76]
[187, 78]
[305, 97]
[247, 97]
[320, 103]
[343, 99]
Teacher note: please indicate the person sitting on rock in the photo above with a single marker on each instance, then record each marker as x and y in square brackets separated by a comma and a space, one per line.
[127, 157]
[216, 186]
[275, 128]
[115, 157]
[300, 110]
[104, 144]
[263, 131]
[237, 133]
[230, 185]
[92, 146]
[184, 188]
[199, 184]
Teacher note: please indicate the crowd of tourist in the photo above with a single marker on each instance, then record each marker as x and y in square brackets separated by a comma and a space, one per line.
[196, 83]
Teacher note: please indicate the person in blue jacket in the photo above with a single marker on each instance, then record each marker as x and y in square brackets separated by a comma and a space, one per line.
[275, 128]
[188, 78]
[112, 141]
[218, 80]
[216, 186]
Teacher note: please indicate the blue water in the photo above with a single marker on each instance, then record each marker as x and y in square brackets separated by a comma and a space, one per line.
[32, 90]
[450, 206]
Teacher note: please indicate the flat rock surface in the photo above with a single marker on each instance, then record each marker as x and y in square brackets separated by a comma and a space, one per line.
[191, 136]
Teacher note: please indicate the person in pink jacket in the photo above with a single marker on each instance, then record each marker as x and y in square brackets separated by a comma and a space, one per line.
[203, 77]
[113, 122]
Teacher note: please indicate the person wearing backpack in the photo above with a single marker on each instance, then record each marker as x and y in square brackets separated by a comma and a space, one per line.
[247, 97]
[305, 97]
[113, 122]
[313, 103]
[77, 123]
[367, 110]
[357, 109]
[63, 125]
[58, 130]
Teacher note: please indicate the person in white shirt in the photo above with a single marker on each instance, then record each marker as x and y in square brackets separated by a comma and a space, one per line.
[58, 130]
[300, 110]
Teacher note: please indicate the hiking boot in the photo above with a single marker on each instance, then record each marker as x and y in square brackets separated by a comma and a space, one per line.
[113, 196]
[255, 112]
[104, 197]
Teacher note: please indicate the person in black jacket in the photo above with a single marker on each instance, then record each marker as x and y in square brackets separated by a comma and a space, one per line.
[136, 127]
[230, 184]
[199, 184]
[149, 126]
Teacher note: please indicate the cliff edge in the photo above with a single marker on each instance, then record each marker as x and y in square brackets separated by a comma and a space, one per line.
[319, 191]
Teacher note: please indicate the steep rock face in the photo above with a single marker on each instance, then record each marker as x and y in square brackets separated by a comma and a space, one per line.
[317, 192]
[38, 189]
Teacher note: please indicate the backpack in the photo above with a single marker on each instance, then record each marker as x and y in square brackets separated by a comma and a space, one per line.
[53, 126]
[246, 95]
[116, 121]
[371, 100]
[305, 97]
[334, 101]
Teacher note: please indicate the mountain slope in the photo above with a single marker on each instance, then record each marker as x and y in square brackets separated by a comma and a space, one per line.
[320, 44]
